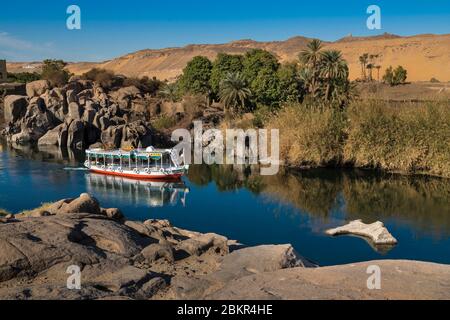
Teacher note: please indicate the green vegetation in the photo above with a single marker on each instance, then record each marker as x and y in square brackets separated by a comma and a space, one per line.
[369, 134]
[170, 92]
[196, 76]
[368, 63]
[163, 122]
[103, 77]
[234, 92]
[145, 84]
[23, 77]
[395, 77]
[53, 71]
[223, 65]
[320, 77]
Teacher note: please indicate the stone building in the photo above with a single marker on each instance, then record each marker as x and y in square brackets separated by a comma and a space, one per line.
[3, 73]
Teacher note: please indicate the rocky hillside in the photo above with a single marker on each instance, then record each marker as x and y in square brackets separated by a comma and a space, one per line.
[121, 259]
[83, 114]
[422, 55]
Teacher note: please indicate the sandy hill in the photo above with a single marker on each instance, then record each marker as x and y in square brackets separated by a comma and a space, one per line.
[424, 56]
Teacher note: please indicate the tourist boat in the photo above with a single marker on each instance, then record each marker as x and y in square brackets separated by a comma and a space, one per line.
[149, 163]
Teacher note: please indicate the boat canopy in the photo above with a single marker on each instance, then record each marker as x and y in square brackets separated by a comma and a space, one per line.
[148, 153]
[144, 154]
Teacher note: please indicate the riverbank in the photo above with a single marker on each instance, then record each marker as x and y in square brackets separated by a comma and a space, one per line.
[409, 139]
[154, 260]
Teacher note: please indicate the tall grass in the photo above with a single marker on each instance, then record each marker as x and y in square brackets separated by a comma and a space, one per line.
[310, 137]
[369, 134]
[412, 138]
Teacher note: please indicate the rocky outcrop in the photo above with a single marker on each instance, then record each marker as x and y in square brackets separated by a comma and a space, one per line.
[376, 232]
[55, 137]
[154, 260]
[15, 107]
[120, 117]
[37, 88]
[78, 115]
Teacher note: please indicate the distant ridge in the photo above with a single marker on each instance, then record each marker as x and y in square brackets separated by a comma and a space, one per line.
[424, 56]
[383, 36]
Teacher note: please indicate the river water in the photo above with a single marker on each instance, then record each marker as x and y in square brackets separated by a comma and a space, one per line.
[237, 202]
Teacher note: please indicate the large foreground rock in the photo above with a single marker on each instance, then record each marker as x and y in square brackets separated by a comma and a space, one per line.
[121, 259]
[376, 231]
[400, 279]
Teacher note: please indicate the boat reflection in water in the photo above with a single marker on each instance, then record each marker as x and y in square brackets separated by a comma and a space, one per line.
[154, 193]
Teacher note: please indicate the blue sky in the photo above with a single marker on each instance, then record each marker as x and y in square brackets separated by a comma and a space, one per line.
[34, 30]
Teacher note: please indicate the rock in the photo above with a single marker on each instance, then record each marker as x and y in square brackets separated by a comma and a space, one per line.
[55, 100]
[144, 230]
[153, 286]
[85, 204]
[57, 136]
[75, 137]
[104, 123]
[158, 251]
[400, 280]
[171, 108]
[36, 88]
[72, 96]
[262, 258]
[375, 231]
[84, 96]
[15, 107]
[128, 92]
[39, 103]
[158, 223]
[112, 137]
[113, 213]
[200, 244]
[136, 134]
[36, 122]
[124, 280]
[89, 115]
[75, 111]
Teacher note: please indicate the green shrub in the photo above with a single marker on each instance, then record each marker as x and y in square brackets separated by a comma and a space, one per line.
[163, 122]
[53, 71]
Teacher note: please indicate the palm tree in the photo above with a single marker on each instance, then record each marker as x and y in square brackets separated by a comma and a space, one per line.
[344, 94]
[333, 67]
[170, 92]
[370, 67]
[234, 91]
[363, 60]
[311, 58]
[378, 67]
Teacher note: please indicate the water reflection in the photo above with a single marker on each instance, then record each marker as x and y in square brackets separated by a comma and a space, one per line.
[152, 193]
[420, 201]
[44, 153]
[236, 201]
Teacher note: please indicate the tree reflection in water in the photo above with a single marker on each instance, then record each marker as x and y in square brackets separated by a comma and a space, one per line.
[420, 201]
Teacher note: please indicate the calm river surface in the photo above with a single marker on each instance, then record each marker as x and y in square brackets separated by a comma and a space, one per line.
[291, 208]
